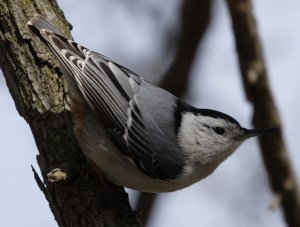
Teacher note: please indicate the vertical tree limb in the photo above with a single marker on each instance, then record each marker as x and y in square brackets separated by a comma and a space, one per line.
[254, 74]
[145, 205]
[195, 18]
[39, 92]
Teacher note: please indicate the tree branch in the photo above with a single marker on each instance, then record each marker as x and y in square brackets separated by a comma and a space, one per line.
[258, 92]
[39, 92]
[195, 17]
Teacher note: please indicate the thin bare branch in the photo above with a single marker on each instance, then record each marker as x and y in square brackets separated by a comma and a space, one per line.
[195, 17]
[255, 80]
[145, 205]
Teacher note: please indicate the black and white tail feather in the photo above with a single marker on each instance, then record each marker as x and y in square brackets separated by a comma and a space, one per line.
[122, 100]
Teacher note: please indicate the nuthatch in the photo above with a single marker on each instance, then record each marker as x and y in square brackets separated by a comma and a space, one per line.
[138, 134]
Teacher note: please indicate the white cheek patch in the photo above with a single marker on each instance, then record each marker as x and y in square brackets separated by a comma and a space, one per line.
[190, 137]
[198, 140]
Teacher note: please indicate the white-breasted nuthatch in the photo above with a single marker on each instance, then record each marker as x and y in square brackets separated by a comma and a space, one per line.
[139, 135]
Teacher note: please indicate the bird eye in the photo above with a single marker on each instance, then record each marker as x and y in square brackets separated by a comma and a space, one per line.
[219, 130]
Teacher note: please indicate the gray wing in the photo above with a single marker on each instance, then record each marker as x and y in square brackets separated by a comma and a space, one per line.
[138, 116]
[132, 110]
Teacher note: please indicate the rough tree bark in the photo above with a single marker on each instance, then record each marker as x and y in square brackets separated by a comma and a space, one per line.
[40, 95]
[254, 74]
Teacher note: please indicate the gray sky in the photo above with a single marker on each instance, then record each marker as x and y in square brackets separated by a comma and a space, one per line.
[237, 194]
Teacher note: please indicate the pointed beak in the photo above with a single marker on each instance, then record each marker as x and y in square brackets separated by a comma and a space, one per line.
[258, 132]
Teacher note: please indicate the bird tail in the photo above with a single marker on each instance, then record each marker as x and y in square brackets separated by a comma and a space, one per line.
[62, 47]
[70, 55]
[39, 23]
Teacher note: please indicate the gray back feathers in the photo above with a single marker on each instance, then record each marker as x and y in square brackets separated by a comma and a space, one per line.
[138, 116]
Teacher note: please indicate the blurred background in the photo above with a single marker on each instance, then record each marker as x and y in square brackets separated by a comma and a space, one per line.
[143, 36]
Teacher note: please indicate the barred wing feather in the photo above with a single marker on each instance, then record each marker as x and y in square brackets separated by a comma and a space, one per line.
[121, 99]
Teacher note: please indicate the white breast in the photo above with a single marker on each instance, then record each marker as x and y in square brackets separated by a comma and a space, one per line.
[100, 150]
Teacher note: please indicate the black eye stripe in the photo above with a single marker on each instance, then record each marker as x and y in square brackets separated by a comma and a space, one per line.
[219, 130]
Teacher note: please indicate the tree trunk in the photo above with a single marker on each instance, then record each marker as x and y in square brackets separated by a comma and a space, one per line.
[77, 196]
